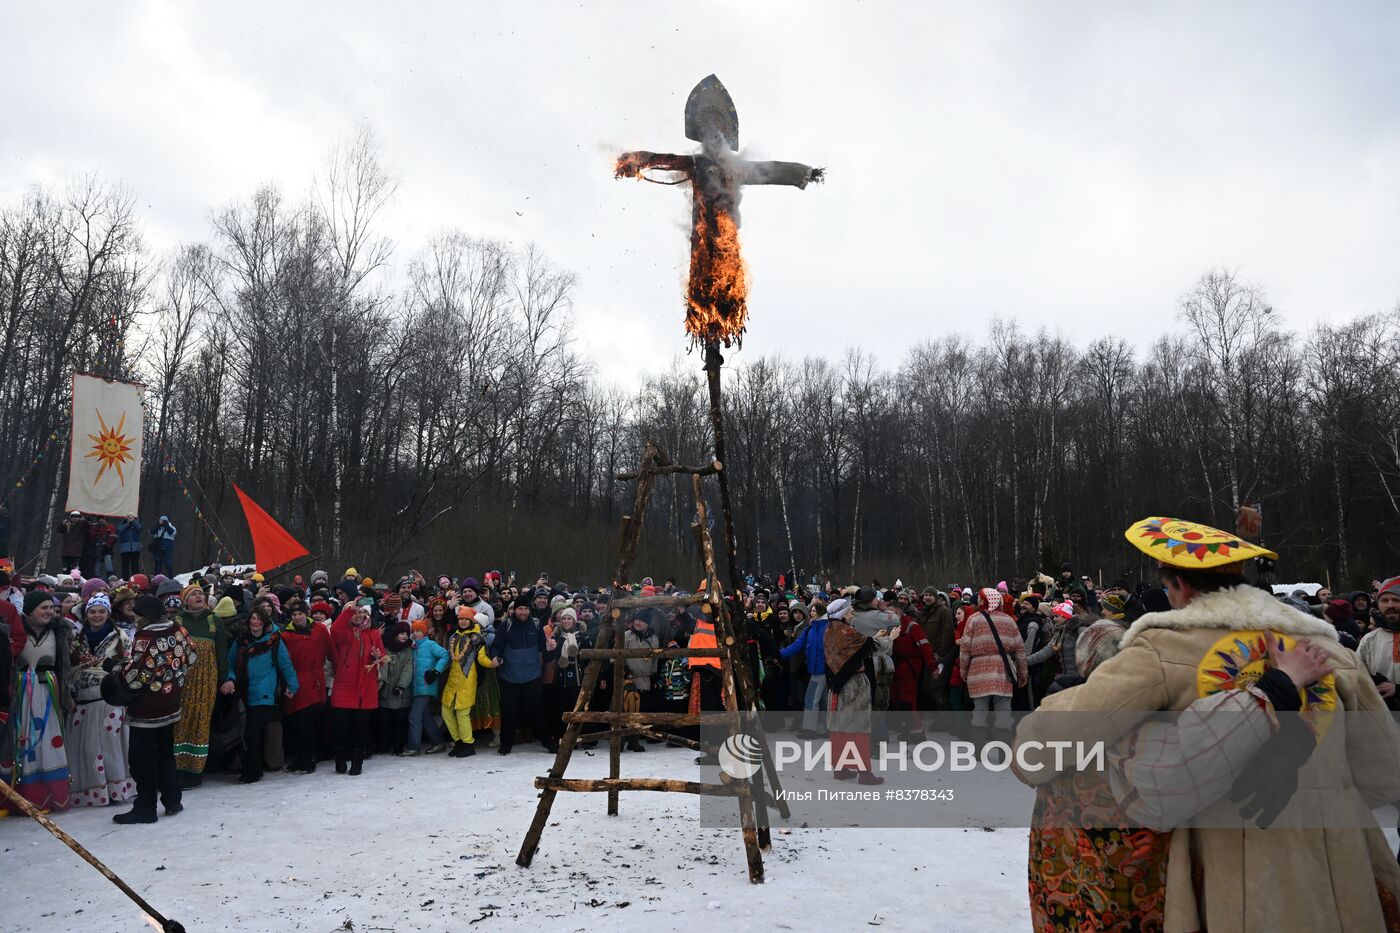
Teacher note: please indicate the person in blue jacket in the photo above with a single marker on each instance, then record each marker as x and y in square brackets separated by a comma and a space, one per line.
[260, 671]
[129, 546]
[429, 661]
[521, 649]
[812, 641]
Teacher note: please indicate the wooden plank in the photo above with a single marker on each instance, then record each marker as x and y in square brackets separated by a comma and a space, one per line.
[662, 785]
[658, 602]
[588, 654]
[647, 719]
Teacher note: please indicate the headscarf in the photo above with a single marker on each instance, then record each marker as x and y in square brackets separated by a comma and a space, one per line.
[990, 599]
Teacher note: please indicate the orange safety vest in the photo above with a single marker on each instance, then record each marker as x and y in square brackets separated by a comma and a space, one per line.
[703, 637]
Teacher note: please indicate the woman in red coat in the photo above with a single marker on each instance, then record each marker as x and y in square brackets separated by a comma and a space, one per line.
[913, 655]
[309, 645]
[356, 653]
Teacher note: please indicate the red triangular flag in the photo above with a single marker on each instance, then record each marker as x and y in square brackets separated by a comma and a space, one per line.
[272, 545]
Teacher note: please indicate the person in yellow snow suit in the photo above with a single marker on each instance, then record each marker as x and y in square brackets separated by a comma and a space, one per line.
[467, 647]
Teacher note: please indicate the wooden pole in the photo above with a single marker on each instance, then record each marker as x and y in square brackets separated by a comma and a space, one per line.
[615, 741]
[713, 362]
[561, 758]
[166, 925]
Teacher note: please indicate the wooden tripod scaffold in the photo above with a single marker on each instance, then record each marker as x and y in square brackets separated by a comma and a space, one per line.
[740, 714]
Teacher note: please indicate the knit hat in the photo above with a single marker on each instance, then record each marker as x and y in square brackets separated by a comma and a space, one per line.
[257, 578]
[90, 587]
[521, 600]
[1002, 586]
[319, 576]
[566, 613]
[420, 627]
[471, 583]
[98, 599]
[350, 572]
[839, 608]
[557, 603]
[34, 599]
[184, 594]
[392, 604]
[295, 604]
[168, 588]
[149, 608]
[225, 609]
[1064, 610]
[322, 606]
[1390, 586]
[1339, 610]
[467, 612]
[1114, 606]
[271, 598]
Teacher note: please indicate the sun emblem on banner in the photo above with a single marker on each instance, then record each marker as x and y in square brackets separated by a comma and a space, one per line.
[111, 448]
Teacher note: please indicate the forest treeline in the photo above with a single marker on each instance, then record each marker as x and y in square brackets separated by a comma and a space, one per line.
[432, 410]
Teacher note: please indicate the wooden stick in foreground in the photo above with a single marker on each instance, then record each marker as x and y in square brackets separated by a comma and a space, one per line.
[168, 926]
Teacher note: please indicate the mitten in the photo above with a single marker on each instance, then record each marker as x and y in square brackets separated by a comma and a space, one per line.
[430, 676]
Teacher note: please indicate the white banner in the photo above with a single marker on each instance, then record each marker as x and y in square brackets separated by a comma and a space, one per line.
[104, 462]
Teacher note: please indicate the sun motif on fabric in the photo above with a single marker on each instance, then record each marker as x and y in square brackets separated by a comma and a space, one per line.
[111, 448]
[1239, 659]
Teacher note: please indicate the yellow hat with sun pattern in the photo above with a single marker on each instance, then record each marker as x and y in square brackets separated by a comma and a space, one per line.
[1193, 546]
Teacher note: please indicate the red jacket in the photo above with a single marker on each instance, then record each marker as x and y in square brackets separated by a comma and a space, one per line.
[912, 656]
[353, 651]
[309, 653]
[10, 616]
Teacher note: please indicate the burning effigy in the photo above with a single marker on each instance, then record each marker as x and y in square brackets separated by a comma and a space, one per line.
[717, 294]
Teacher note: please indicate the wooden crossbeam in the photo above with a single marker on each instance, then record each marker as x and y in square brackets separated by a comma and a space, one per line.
[664, 601]
[659, 719]
[665, 785]
[588, 654]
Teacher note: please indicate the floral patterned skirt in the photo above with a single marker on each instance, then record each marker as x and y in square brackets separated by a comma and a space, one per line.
[1106, 879]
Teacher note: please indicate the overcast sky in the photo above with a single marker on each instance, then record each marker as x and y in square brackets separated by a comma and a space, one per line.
[1072, 165]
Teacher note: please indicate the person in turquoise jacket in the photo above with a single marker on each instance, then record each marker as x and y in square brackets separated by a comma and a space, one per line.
[429, 661]
[260, 671]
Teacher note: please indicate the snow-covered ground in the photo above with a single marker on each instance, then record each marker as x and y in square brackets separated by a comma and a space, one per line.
[428, 844]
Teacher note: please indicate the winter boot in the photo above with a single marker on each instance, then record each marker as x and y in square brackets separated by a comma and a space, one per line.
[135, 816]
[468, 750]
[870, 778]
[356, 765]
[309, 766]
[634, 744]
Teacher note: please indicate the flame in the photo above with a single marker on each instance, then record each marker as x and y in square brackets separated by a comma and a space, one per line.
[717, 299]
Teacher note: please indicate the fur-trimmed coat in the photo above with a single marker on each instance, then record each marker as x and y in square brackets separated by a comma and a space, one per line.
[1250, 879]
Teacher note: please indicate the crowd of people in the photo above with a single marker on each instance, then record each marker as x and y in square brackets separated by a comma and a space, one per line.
[132, 688]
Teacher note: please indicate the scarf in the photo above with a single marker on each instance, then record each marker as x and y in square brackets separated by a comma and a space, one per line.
[250, 647]
[464, 646]
[95, 638]
[846, 650]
